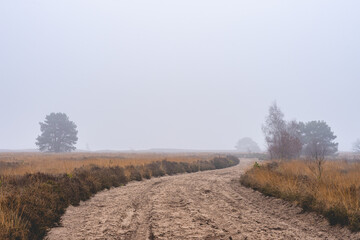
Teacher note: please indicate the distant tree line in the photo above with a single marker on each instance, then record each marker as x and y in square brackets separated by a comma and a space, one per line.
[284, 139]
[291, 139]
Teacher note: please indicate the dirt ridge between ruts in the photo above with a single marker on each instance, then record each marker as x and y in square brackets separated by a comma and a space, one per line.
[203, 205]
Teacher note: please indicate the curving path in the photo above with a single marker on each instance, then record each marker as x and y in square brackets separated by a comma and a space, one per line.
[204, 205]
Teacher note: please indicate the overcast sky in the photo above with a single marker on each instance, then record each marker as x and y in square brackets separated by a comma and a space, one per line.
[177, 74]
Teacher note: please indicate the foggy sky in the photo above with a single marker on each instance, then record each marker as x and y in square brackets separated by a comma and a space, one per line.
[176, 74]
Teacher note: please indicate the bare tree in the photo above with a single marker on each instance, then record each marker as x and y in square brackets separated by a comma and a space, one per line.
[282, 138]
[292, 141]
[274, 125]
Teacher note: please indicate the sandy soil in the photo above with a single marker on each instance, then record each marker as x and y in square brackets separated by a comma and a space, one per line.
[205, 205]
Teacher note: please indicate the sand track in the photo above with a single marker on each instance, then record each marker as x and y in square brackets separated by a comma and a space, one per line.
[204, 205]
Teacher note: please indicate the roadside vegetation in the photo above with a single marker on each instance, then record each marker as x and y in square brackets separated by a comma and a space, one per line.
[334, 192]
[33, 202]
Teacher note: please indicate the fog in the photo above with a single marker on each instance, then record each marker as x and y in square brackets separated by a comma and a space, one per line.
[176, 74]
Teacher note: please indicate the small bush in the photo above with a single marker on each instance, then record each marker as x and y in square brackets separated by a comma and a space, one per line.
[271, 165]
[133, 173]
[337, 215]
[172, 168]
[155, 169]
[307, 202]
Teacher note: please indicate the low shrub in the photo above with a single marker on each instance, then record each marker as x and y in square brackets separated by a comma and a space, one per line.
[155, 169]
[172, 168]
[133, 173]
[337, 215]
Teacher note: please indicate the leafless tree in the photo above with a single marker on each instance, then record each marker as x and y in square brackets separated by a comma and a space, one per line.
[282, 138]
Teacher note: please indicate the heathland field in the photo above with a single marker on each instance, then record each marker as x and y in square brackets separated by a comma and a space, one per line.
[48, 195]
[35, 189]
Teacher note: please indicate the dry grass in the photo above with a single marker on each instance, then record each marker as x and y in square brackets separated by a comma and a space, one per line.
[23, 163]
[35, 189]
[336, 194]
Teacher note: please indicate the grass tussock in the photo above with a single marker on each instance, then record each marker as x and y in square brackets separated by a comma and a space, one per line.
[32, 203]
[334, 193]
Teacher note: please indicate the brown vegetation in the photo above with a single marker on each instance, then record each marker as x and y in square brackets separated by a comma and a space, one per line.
[32, 203]
[282, 137]
[334, 191]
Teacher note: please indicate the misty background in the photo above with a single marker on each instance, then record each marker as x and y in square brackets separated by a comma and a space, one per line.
[176, 74]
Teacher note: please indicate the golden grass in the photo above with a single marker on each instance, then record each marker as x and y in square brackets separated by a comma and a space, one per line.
[336, 194]
[22, 163]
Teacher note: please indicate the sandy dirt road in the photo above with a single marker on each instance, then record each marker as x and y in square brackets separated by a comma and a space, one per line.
[204, 205]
